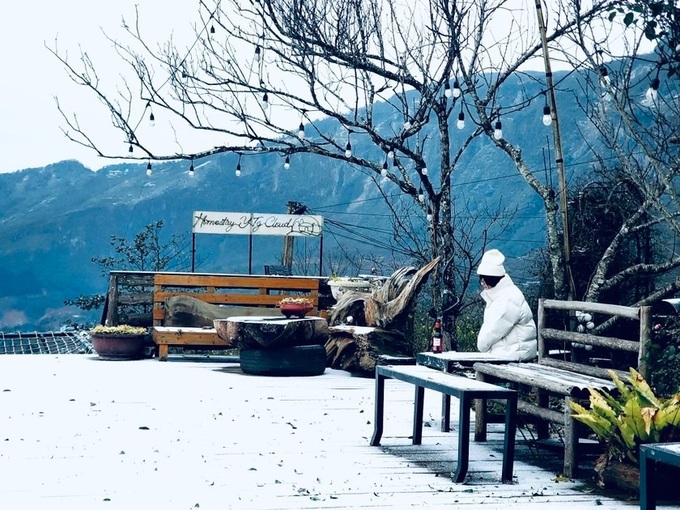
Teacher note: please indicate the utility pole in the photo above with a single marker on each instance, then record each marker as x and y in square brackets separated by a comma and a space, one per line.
[288, 241]
[559, 159]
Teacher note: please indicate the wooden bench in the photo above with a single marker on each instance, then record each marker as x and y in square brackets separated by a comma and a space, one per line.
[466, 390]
[570, 363]
[238, 291]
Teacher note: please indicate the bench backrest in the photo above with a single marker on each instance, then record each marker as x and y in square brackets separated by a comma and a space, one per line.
[588, 353]
[231, 290]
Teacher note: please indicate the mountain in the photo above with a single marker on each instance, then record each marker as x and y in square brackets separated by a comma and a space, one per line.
[55, 219]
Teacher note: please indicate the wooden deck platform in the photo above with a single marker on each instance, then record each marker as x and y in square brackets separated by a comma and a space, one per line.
[77, 432]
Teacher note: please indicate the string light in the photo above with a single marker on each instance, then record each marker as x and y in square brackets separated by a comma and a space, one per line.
[390, 153]
[423, 170]
[429, 217]
[547, 116]
[152, 119]
[456, 89]
[265, 99]
[407, 125]
[461, 119]
[301, 131]
[348, 150]
[149, 171]
[212, 29]
[498, 130]
[286, 165]
[258, 51]
[604, 73]
[131, 149]
[238, 167]
[383, 172]
[191, 168]
[653, 90]
[447, 89]
[421, 196]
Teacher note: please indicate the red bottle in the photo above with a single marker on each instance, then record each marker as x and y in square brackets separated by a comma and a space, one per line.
[437, 339]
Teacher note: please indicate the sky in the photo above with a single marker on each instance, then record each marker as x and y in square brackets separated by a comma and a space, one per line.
[30, 125]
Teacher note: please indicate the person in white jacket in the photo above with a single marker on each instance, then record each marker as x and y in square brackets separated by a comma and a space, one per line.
[508, 327]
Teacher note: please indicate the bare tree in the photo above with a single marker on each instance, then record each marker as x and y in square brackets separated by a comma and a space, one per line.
[259, 73]
[632, 115]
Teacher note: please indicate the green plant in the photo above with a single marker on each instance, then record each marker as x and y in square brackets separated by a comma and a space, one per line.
[633, 417]
[664, 356]
[120, 330]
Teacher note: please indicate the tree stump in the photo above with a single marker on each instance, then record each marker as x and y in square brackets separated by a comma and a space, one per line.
[272, 332]
[356, 349]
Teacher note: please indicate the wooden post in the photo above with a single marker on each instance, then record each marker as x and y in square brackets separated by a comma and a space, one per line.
[645, 340]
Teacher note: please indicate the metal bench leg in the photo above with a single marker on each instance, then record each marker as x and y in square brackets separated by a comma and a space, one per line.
[509, 445]
[379, 409]
[418, 415]
[463, 441]
[446, 413]
[480, 414]
[647, 489]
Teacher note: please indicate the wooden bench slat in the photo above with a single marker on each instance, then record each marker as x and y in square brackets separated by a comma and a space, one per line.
[587, 339]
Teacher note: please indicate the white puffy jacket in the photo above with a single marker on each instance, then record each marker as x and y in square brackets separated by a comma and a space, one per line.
[509, 326]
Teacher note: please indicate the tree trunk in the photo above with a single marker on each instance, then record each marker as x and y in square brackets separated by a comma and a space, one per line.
[270, 332]
[356, 349]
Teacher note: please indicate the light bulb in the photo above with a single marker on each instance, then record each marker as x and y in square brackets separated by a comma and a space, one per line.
[498, 130]
[301, 131]
[407, 125]
[131, 149]
[149, 171]
[257, 53]
[604, 73]
[152, 119]
[212, 29]
[429, 217]
[286, 165]
[265, 99]
[390, 153]
[456, 89]
[547, 118]
[447, 89]
[421, 197]
[238, 170]
[348, 150]
[383, 172]
[652, 91]
[424, 170]
[191, 170]
[461, 120]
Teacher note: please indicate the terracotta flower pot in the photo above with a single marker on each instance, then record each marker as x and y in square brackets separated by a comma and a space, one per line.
[118, 347]
[295, 309]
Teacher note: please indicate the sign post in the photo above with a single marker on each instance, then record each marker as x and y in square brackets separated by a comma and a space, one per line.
[251, 224]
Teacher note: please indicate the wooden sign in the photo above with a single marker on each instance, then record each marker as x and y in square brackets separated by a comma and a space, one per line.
[210, 222]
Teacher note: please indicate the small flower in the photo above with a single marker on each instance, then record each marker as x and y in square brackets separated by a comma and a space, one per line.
[296, 301]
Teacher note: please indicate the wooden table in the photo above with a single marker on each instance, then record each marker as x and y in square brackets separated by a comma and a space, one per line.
[450, 362]
[650, 455]
[466, 390]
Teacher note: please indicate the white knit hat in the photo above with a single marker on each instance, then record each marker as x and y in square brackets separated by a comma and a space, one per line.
[492, 264]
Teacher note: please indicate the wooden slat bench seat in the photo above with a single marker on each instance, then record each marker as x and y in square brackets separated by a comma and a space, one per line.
[237, 291]
[569, 364]
[461, 387]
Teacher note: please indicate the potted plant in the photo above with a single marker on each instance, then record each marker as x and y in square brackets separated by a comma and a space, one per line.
[623, 422]
[295, 306]
[118, 342]
[341, 284]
